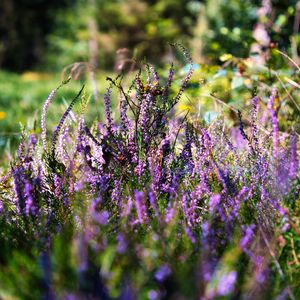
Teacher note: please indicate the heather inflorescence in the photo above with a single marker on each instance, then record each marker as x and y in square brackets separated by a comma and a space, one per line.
[149, 205]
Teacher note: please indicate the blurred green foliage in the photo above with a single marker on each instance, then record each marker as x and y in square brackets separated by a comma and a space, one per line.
[229, 25]
[146, 27]
[53, 34]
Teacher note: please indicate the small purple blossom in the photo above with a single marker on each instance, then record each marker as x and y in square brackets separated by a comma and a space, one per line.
[101, 217]
[29, 207]
[153, 295]
[274, 121]
[294, 164]
[214, 202]
[122, 243]
[226, 283]
[248, 236]
[162, 273]
[107, 104]
[140, 206]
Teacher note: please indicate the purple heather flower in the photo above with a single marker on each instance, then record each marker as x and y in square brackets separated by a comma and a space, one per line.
[58, 183]
[32, 143]
[101, 217]
[71, 297]
[205, 229]
[170, 213]
[29, 205]
[18, 177]
[190, 234]
[281, 210]
[283, 295]
[262, 275]
[169, 83]
[44, 112]
[124, 122]
[286, 225]
[207, 268]
[237, 138]
[140, 168]
[127, 206]
[155, 171]
[162, 273]
[141, 208]
[226, 283]
[117, 192]
[63, 138]
[237, 201]
[274, 121]
[248, 236]
[95, 202]
[107, 104]
[152, 200]
[153, 295]
[294, 164]
[154, 74]
[139, 85]
[241, 126]
[254, 113]
[214, 202]
[1, 206]
[185, 206]
[127, 292]
[132, 147]
[122, 244]
[144, 117]
[62, 120]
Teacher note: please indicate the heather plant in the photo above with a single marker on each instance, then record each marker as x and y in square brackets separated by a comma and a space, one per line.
[147, 204]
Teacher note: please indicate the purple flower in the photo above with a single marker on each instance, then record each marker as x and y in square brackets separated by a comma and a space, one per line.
[140, 206]
[29, 206]
[124, 122]
[170, 213]
[214, 202]
[117, 192]
[226, 283]
[153, 295]
[274, 121]
[107, 104]
[248, 236]
[62, 120]
[162, 273]
[122, 244]
[241, 127]
[237, 201]
[169, 83]
[101, 217]
[294, 165]
[140, 168]
[254, 113]
[127, 206]
[144, 117]
[44, 112]
[190, 234]
[152, 200]
[18, 177]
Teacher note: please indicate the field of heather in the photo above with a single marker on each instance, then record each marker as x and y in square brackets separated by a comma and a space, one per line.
[168, 171]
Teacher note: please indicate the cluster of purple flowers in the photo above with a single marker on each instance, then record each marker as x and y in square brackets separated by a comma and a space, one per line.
[149, 194]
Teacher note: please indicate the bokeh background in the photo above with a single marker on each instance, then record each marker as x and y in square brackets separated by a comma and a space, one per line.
[41, 39]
